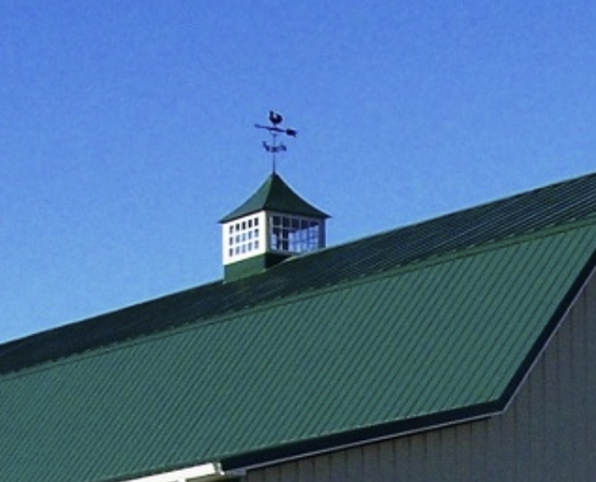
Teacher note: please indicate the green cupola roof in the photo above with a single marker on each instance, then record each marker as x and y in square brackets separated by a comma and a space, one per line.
[275, 195]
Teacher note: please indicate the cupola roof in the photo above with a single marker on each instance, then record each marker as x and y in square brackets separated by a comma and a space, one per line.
[275, 195]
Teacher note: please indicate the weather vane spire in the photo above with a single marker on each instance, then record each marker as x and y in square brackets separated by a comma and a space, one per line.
[274, 129]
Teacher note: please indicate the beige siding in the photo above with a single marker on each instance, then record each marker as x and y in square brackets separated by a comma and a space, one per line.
[548, 433]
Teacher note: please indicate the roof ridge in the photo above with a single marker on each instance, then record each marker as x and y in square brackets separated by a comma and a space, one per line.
[439, 259]
[451, 214]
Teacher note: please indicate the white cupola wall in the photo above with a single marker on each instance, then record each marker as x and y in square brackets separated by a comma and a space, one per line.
[244, 237]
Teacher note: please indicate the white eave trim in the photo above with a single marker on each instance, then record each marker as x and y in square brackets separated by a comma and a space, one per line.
[203, 473]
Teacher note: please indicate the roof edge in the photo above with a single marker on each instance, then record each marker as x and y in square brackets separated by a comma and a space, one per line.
[585, 276]
[468, 208]
[358, 437]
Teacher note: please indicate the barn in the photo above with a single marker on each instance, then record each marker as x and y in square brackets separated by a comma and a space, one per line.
[461, 348]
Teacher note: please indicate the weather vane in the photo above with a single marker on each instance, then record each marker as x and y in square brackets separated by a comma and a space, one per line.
[275, 129]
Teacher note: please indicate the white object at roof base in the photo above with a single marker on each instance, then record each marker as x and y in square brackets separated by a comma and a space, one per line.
[202, 473]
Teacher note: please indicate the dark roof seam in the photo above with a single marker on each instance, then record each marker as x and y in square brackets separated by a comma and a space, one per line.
[509, 240]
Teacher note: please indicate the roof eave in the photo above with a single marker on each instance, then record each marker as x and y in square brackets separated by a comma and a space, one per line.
[360, 436]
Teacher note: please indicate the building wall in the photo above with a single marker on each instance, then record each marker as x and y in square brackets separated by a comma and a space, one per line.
[548, 433]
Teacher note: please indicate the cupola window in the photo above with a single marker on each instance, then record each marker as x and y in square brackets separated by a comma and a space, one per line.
[244, 236]
[295, 234]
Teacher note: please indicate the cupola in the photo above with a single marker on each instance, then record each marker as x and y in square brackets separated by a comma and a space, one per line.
[274, 224]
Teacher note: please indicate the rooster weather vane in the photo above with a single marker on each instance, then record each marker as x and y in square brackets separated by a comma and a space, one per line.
[274, 129]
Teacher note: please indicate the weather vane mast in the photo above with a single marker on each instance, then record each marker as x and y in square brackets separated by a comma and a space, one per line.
[274, 129]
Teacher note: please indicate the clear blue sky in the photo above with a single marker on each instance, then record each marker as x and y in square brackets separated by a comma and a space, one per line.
[126, 128]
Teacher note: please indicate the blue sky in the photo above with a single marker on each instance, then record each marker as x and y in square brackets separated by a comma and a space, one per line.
[126, 128]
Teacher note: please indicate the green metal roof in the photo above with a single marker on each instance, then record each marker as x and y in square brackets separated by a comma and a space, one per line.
[275, 195]
[441, 327]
